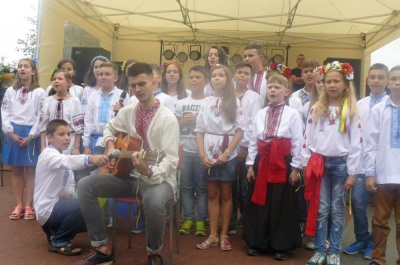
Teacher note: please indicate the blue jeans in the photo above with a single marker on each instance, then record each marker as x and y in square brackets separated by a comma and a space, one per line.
[331, 205]
[359, 203]
[109, 186]
[65, 221]
[192, 180]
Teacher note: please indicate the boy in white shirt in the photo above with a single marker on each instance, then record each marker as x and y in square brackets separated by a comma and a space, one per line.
[377, 80]
[55, 200]
[383, 168]
[251, 103]
[102, 106]
[253, 54]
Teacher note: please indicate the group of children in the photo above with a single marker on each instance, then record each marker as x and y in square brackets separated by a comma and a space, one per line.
[239, 130]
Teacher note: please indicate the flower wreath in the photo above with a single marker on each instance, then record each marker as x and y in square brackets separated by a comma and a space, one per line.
[163, 66]
[52, 73]
[345, 68]
[280, 68]
[96, 58]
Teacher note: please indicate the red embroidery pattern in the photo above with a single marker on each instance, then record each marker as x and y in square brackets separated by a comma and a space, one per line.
[143, 120]
[272, 121]
[216, 109]
[78, 121]
[4, 104]
[257, 86]
[23, 96]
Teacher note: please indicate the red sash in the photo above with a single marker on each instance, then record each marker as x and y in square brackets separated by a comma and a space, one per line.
[313, 176]
[271, 167]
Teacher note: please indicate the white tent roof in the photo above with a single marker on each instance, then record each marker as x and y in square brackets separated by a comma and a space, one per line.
[319, 28]
[272, 22]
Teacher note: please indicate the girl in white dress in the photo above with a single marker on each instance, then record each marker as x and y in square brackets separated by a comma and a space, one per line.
[20, 113]
[219, 129]
[63, 106]
[332, 153]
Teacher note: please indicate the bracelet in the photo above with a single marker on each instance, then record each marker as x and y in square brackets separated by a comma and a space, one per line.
[75, 147]
[203, 156]
[228, 153]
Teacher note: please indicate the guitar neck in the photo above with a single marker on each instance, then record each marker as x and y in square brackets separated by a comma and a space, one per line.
[126, 154]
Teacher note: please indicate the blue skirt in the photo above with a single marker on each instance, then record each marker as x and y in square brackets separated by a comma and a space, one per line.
[224, 172]
[17, 156]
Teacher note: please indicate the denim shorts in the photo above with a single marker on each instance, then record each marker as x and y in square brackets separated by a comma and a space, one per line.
[225, 172]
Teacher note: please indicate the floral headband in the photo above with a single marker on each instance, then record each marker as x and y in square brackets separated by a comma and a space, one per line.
[163, 66]
[280, 68]
[212, 67]
[52, 73]
[101, 57]
[345, 68]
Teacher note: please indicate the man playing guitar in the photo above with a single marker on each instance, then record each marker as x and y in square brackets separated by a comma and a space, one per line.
[158, 128]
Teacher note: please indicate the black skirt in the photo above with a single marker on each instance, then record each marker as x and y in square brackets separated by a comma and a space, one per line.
[274, 227]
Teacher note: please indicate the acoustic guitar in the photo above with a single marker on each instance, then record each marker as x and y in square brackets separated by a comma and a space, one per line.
[128, 145]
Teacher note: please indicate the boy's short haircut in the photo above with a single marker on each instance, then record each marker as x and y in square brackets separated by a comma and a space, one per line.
[140, 68]
[280, 79]
[201, 69]
[156, 68]
[243, 64]
[54, 124]
[110, 65]
[309, 63]
[255, 46]
[379, 66]
[394, 68]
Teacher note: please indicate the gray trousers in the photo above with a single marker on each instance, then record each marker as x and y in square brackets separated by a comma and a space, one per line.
[154, 198]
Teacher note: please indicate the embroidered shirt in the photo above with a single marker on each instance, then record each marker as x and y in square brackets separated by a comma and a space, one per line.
[22, 107]
[289, 126]
[323, 137]
[382, 150]
[143, 120]
[212, 122]
[272, 120]
[303, 95]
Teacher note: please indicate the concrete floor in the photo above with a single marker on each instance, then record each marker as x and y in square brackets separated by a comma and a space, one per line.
[23, 242]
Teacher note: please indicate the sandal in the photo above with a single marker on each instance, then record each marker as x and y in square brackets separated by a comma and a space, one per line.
[17, 213]
[206, 244]
[29, 213]
[67, 250]
[225, 245]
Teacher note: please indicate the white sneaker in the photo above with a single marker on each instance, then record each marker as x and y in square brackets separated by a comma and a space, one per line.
[333, 259]
[317, 259]
[310, 244]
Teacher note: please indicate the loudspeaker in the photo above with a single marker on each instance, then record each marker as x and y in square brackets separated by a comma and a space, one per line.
[82, 57]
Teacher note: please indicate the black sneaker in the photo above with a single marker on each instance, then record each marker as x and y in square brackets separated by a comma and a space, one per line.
[155, 260]
[96, 258]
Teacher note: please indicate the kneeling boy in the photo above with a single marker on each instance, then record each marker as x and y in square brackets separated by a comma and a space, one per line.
[55, 200]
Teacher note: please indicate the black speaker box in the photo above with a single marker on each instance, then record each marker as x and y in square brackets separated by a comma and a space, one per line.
[82, 57]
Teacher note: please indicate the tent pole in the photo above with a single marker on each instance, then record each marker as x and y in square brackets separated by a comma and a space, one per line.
[161, 50]
[287, 55]
[114, 48]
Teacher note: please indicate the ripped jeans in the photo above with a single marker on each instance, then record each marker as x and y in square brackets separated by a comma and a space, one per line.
[331, 205]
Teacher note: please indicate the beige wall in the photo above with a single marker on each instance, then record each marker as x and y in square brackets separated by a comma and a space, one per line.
[51, 35]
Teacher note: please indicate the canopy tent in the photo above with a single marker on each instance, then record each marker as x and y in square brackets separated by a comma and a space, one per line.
[355, 28]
